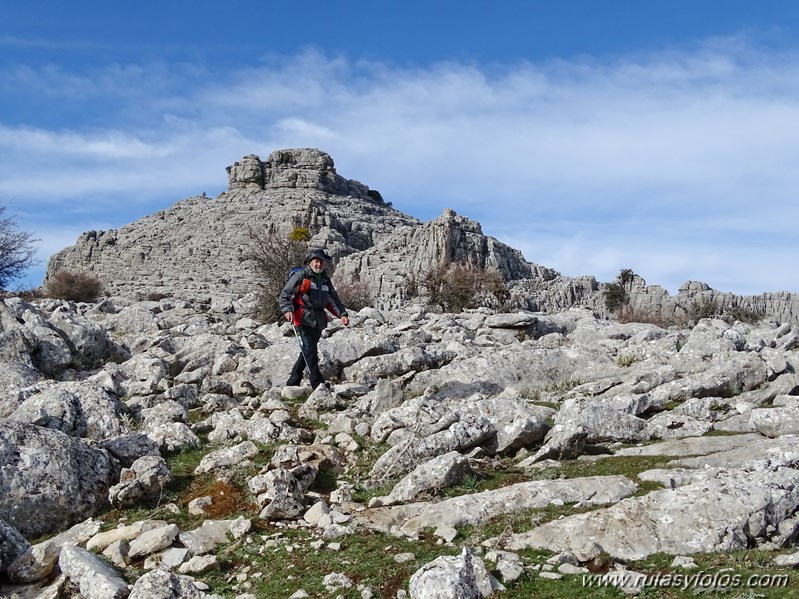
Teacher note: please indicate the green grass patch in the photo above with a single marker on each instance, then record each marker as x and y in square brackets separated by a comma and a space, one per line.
[290, 563]
[629, 466]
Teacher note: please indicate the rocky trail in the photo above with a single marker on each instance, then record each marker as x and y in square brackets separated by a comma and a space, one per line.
[150, 449]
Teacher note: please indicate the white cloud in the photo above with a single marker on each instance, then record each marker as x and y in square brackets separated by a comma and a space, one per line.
[615, 162]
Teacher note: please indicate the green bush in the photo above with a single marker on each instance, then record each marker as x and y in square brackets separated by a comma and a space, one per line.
[614, 297]
[74, 286]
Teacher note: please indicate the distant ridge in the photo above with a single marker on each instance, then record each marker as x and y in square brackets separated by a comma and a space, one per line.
[197, 247]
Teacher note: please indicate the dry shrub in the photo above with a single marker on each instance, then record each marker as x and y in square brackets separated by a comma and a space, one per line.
[355, 293]
[74, 286]
[628, 313]
[273, 253]
[456, 287]
[17, 249]
[743, 314]
[703, 308]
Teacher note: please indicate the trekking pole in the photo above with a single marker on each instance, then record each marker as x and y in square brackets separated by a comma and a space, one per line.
[298, 337]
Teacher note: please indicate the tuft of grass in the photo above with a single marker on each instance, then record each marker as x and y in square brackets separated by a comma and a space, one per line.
[626, 360]
[289, 563]
[530, 393]
[629, 466]
[564, 385]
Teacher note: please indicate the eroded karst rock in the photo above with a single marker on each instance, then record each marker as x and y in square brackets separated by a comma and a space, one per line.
[49, 480]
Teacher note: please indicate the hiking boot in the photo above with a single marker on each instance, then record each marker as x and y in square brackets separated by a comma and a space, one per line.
[293, 382]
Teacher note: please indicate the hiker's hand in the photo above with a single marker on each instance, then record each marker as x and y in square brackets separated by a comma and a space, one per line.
[345, 320]
[289, 316]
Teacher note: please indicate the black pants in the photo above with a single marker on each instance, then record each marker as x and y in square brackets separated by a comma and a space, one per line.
[309, 356]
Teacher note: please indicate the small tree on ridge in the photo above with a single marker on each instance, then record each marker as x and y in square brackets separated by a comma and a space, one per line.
[17, 249]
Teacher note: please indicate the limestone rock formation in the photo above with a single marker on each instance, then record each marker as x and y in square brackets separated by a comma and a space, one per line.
[49, 480]
[199, 246]
[87, 390]
[483, 401]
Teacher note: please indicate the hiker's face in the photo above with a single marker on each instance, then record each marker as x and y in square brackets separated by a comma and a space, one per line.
[317, 265]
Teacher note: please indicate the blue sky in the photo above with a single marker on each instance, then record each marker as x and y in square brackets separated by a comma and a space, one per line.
[593, 136]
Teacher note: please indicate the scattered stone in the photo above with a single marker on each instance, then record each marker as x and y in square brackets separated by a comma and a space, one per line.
[145, 478]
[315, 512]
[199, 564]
[94, 577]
[160, 584]
[790, 560]
[227, 457]
[335, 581]
[198, 505]
[153, 541]
[684, 562]
[402, 558]
[447, 533]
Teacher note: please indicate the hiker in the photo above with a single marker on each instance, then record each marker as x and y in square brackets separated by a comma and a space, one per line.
[308, 292]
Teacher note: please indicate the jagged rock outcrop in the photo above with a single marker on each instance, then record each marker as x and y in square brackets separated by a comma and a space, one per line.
[551, 292]
[198, 247]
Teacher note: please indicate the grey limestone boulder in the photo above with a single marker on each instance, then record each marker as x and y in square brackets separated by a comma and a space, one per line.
[438, 473]
[775, 422]
[12, 545]
[171, 436]
[95, 578]
[78, 409]
[721, 510]
[418, 443]
[603, 420]
[227, 457]
[477, 508]
[47, 348]
[282, 492]
[90, 342]
[212, 533]
[726, 375]
[371, 369]
[670, 425]
[39, 560]
[49, 480]
[463, 576]
[160, 584]
[145, 478]
[17, 370]
[153, 540]
[126, 449]
[517, 423]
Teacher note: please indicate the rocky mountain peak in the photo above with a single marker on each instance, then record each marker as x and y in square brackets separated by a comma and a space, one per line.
[300, 168]
[198, 246]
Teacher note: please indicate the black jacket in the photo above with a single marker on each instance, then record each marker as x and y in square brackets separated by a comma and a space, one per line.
[308, 294]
